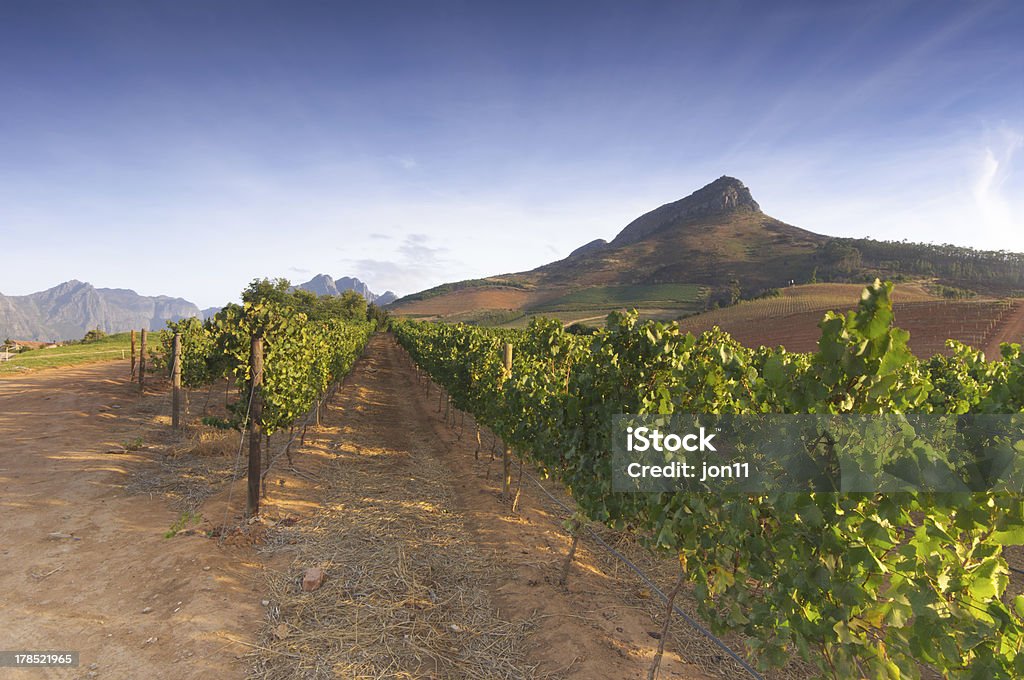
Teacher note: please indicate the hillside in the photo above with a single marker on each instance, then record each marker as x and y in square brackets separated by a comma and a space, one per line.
[709, 249]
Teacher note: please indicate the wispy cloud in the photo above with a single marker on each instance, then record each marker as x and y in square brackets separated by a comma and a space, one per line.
[994, 169]
[963, 189]
[419, 263]
[406, 162]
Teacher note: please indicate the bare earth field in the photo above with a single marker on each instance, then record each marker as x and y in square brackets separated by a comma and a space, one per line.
[428, 572]
[792, 319]
[86, 566]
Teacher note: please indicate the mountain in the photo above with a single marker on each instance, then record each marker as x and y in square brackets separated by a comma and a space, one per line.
[322, 284]
[712, 247]
[69, 310]
[713, 236]
[670, 259]
[596, 244]
[724, 196]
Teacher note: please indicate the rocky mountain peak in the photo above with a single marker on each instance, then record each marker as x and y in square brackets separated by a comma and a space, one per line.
[724, 195]
[324, 284]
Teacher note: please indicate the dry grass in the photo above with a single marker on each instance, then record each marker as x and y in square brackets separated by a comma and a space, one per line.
[405, 594]
[208, 441]
[192, 468]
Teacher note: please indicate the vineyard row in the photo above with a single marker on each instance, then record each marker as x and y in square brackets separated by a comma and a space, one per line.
[862, 585]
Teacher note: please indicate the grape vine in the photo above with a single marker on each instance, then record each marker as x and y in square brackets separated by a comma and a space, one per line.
[302, 357]
[860, 584]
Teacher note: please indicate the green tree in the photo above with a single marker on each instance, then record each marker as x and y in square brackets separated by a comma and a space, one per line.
[578, 328]
[735, 292]
[378, 314]
[304, 301]
[353, 306]
[267, 290]
[327, 307]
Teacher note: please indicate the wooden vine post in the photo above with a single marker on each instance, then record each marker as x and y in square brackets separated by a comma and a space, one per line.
[131, 376]
[506, 454]
[252, 506]
[142, 361]
[574, 531]
[176, 383]
[670, 604]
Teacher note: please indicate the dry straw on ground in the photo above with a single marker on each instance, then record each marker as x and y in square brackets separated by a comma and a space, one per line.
[405, 594]
[193, 467]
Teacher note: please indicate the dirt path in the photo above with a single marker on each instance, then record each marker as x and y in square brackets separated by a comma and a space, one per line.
[85, 566]
[406, 495]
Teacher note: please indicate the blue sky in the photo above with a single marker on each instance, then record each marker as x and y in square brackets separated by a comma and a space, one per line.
[185, 147]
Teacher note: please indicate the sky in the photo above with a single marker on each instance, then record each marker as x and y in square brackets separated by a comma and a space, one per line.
[185, 147]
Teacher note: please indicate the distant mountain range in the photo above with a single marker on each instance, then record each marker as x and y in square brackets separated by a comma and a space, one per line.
[322, 284]
[68, 311]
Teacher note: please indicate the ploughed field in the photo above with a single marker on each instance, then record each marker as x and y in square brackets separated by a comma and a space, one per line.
[983, 324]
